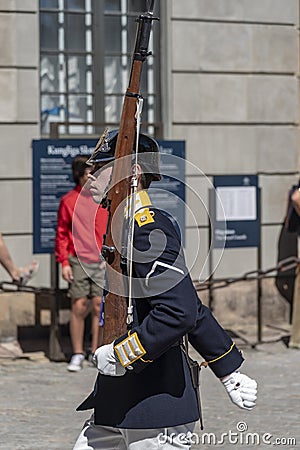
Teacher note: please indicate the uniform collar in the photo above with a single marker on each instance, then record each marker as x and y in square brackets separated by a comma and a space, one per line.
[142, 200]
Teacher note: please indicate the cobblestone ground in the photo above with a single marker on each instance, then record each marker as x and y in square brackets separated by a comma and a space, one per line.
[38, 401]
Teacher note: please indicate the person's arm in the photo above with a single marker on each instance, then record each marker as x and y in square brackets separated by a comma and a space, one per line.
[7, 261]
[62, 241]
[21, 275]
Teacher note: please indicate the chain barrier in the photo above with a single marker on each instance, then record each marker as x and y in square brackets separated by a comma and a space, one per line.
[283, 266]
[10, 286]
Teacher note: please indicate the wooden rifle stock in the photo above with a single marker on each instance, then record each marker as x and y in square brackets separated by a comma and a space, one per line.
[115, 310]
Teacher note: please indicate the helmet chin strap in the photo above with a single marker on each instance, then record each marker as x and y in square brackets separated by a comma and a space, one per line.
[134, 185]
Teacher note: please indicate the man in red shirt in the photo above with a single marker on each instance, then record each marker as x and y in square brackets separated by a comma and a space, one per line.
[80, 227]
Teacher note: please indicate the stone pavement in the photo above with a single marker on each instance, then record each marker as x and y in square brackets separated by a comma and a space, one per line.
[38, 401]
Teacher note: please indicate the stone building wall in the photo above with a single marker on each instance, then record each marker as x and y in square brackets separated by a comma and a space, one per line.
[230, 89]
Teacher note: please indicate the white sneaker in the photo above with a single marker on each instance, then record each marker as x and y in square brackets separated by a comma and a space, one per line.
[76, 362]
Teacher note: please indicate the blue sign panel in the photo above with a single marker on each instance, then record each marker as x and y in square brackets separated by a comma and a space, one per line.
[52, 178]
[169, 193]
[236, 211]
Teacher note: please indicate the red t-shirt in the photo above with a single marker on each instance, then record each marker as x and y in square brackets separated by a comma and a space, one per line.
[81, 224]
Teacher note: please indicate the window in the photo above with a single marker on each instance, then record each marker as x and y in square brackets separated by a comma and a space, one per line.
[85, 58]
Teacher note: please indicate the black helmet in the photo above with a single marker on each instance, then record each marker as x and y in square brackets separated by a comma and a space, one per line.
[148, 152]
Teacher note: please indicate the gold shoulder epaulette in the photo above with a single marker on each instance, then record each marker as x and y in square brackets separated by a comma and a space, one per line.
[144, 216]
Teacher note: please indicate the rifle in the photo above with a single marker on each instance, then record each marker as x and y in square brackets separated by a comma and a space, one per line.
[115, 309]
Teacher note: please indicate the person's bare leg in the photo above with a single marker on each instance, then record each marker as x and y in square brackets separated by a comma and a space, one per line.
[96, 302]
[78, 313]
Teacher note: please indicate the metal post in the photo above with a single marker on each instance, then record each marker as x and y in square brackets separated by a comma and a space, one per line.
[295, 333]
[259, 281]
[55, 351]
[211, 247]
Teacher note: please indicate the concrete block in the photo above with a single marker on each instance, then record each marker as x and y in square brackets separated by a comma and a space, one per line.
[234, 99]
[275, 309]
[28, 96]
[45, 317]
[17, 195]
[272, 99]
[276, 148]
[209, 98]
[269, 11]
[248, 149]
[15, 144]
[18, 47]
[16, 5]
[22, 308]
[236, 305]
[233, 262]
[196, 253]
[17, 309]
[207, 145]
[274, 194]
[9, 97]
[27, 44]
[4, 305]
[237, 300]
[7, 330]
[7, 39]
[200, 46]
[274, 49]
[197, 189]
[19, 99]
[269, 241]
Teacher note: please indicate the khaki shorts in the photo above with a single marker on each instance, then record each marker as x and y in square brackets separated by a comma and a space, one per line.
[88, 279]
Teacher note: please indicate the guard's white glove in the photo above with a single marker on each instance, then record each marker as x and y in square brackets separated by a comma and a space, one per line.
[107, 362]
[241, 389]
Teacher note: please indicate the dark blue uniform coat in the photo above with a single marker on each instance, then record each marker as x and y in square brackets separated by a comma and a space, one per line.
[156, 390]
